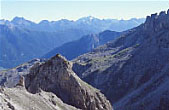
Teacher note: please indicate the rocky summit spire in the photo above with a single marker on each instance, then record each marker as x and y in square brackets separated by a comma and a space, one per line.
[168, 12]
[56, 76]
[157, 22]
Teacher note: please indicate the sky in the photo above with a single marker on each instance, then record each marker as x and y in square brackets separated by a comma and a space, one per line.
[37, 10]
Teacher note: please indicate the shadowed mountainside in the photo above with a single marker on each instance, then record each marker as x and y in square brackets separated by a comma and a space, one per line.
[75, 48]
[132, 71]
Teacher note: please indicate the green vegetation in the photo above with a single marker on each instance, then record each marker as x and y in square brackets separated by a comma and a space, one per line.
[137, 45]
[121, 53]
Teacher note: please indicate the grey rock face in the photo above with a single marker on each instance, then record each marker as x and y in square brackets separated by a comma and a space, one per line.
[56, 80]
[12, 77]
[19, 99]
[157, 23]
[133, 70]
[56, 76]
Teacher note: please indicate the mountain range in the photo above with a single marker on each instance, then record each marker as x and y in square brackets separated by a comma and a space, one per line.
[85, 44]
[132, 71]
[21, 39]
[90, 24]
[20, 45]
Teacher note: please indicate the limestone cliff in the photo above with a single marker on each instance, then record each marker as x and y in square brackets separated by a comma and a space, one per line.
[56, 76]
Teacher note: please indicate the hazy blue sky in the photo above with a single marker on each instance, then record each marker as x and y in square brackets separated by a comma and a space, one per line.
[54, 9]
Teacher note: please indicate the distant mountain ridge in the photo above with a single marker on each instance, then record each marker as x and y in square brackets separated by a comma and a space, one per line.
[89, 23]
[85, 44]
[18, 45]
[21, 39]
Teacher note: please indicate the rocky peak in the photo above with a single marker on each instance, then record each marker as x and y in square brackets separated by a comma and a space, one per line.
[162, 13]
[157, 22]
[168, 12]
[45, 22]
[21, 21]
[17, 19]
[60, 61]
[56, 76]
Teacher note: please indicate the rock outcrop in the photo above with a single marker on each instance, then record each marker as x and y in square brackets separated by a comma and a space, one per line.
[156, 23]
[133, 70]
[56, 76]
[19, 99]
[15, 76]
[21, 82]
[53, 81]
